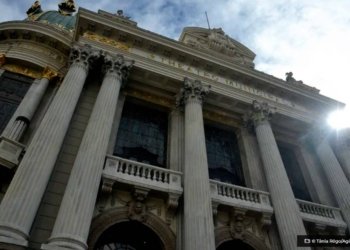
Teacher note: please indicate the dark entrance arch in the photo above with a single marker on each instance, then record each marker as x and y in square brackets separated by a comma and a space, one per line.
[129, 235]
[235, 244]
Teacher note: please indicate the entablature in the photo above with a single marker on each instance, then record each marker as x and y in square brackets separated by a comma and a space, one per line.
[158, 48]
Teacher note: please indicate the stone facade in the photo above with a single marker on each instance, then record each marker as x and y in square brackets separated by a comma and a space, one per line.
[225, 156]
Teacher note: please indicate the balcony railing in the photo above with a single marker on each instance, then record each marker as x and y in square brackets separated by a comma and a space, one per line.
[241, 197]
[321, 214]
[140, 174]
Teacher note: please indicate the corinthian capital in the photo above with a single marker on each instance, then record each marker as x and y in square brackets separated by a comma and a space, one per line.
[49, 73]
[117, 66]
[192, 90]
[83, 56]
[260, 112]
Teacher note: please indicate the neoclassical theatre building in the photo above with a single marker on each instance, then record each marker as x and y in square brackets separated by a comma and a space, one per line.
[114, 137]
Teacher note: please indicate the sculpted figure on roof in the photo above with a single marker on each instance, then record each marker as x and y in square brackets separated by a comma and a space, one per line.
[34, 9]
[67, 7]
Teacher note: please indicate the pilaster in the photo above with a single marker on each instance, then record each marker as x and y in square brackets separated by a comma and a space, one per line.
[176, 139]
[198, 216]
[72, 225]
[21, 201]
[280, 189]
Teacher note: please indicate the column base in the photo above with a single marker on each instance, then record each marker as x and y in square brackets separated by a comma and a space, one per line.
[64, 243]
[10, 152]
[13, 237]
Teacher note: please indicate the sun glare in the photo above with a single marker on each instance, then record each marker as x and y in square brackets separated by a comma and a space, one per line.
[339, 119]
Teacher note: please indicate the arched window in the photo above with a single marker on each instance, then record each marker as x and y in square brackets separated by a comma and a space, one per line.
[13, 88]
[130, 235]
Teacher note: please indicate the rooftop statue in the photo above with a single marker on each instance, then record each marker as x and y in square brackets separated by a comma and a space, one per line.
[120, 13]
[67, 7]
[34, 9]
[291, 79]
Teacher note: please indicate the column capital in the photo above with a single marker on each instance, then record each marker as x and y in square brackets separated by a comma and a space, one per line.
[83, 56]
[261, 112]
[49, 73]
[193, 90]
[117, 66]
[2, 59]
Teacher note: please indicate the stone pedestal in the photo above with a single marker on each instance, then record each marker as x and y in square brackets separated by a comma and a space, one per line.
[21, 201]
[74, 218]
[10, 148]
[198, 215]
[286, 209]
[339, 183]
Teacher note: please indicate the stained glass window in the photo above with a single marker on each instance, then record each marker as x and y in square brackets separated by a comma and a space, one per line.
[13, 88]
[294, 173]
[142, 134]
[223, 156]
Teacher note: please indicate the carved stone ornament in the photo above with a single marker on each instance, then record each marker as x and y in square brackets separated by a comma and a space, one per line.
[237, 224]
[49, 73]
[172, 204]
[137, 207]
[260, 112]
[117, 65]
[2, 59]
[83, 56]
[192, 90]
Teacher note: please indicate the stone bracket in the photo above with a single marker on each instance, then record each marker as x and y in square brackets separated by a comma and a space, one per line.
[172, 204]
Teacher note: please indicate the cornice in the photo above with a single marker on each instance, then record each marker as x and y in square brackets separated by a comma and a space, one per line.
[48, 30]
[264, 78]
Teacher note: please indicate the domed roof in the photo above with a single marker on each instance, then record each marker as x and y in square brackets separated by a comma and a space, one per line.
[55, 18]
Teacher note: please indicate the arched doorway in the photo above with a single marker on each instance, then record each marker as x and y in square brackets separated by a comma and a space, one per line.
[129, 235]
[235, 244]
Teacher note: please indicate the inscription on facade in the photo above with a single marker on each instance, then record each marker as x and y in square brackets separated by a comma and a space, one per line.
[190, 69]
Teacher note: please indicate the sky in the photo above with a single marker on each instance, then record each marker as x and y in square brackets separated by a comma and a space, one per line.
[311, 38]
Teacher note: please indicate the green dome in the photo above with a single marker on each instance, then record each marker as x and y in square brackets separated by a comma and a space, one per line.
[55, 18]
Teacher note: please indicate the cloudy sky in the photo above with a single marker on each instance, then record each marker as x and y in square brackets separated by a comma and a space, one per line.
[311, 38]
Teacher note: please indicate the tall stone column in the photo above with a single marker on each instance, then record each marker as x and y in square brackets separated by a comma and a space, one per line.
[342, 151]
[10, 148]
[287, 214]
[339, 183]
[74, 217]
[20, 204]
[198, 215]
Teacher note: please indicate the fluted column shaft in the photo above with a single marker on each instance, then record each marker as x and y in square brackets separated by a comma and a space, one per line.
[198, 216]
[342, 150]
[28, 106]
[74, 218]
[286, 209]
[339, 183]
[20, 204]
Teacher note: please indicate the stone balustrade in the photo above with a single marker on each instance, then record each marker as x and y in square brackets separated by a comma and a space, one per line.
[140, 174]
[321, 214]
[240, 197]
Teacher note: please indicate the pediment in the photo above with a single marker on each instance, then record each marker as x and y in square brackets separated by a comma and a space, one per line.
[217, 42]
